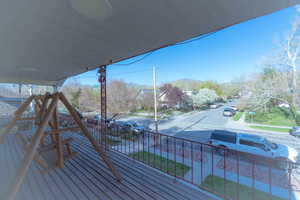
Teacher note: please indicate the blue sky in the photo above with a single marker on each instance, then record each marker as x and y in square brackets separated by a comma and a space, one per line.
[223, 56]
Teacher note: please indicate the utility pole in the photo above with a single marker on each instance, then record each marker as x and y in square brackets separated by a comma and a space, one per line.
[155, 100]
[294, 86]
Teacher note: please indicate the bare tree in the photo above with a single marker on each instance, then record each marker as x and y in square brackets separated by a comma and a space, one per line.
[121, 97]
[289, 55]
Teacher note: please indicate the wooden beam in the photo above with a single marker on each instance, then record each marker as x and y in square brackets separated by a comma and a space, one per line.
[58, 140]
[85, 131]
[24, 106]
[52, 146]
[21, 173]
[37, 158]
[43, 108]
[18, 115]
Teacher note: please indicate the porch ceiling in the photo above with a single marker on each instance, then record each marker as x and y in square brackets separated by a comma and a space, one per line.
[44, 42]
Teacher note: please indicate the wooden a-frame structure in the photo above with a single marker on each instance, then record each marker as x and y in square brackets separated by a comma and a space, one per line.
[47, 115]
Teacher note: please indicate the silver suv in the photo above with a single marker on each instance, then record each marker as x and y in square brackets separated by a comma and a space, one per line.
[253, 144]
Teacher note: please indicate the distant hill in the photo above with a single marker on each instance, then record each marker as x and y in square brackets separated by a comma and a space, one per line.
[187, 84]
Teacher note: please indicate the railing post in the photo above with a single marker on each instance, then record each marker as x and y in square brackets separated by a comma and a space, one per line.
[225, 152]
[192, 160]
[270, 179]
[238, 174]
[201, 162]
[253, 179]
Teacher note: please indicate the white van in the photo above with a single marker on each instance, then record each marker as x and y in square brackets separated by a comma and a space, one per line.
[253, 144]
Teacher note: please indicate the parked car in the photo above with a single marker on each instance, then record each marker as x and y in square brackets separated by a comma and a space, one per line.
[97, 120]
[283, 105]
[254, 145]
[295, 131]
[213, 106]
[141, 129]
[228, 112]
[234, 108]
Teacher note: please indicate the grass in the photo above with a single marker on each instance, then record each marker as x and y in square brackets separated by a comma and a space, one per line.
[283, 130]
[216, 184]
[276, 117]
[238, 116]
[161, 163]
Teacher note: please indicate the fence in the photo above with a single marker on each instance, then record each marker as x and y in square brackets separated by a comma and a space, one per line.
[227, 173]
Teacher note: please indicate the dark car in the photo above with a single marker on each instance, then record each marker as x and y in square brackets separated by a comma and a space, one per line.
[295, 131]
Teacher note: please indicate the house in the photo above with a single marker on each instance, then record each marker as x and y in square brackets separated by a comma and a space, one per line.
[46, 42]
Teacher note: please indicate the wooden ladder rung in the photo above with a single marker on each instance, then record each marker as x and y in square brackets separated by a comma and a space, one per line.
[52, 146]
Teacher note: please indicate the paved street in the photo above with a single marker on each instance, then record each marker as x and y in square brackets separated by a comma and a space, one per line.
[198, 126]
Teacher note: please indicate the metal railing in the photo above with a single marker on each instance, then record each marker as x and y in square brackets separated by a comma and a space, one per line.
[227, 173]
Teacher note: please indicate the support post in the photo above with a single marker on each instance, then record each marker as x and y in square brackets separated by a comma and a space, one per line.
[103, 127]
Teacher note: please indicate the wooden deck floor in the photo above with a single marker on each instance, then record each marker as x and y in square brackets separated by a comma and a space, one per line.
[87, 177]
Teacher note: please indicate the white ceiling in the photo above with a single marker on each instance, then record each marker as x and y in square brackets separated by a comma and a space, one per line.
[46, 41]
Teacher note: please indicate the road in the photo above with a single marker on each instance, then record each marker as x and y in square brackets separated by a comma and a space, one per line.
[198, 125]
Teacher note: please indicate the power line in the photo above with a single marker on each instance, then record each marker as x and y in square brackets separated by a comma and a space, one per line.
[136, 61]
[176, 44]
[153, 51]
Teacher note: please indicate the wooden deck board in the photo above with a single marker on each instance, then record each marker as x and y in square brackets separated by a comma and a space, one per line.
[151, 176]
[87, 177]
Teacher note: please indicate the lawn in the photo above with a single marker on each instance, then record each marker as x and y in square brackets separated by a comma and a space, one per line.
[276, 117]
[161, 163]
[216, 184]
[283, 130]
[238, 116]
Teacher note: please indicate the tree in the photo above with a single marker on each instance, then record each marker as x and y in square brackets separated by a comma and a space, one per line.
[232, 88]
[204, 96]
[289, 56]
[75, 98]
[146, 100]
[212, 86]
[267, 87]
[173, 95]
[121, 97]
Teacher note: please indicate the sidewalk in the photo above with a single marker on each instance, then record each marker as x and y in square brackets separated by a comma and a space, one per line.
[266, 125]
